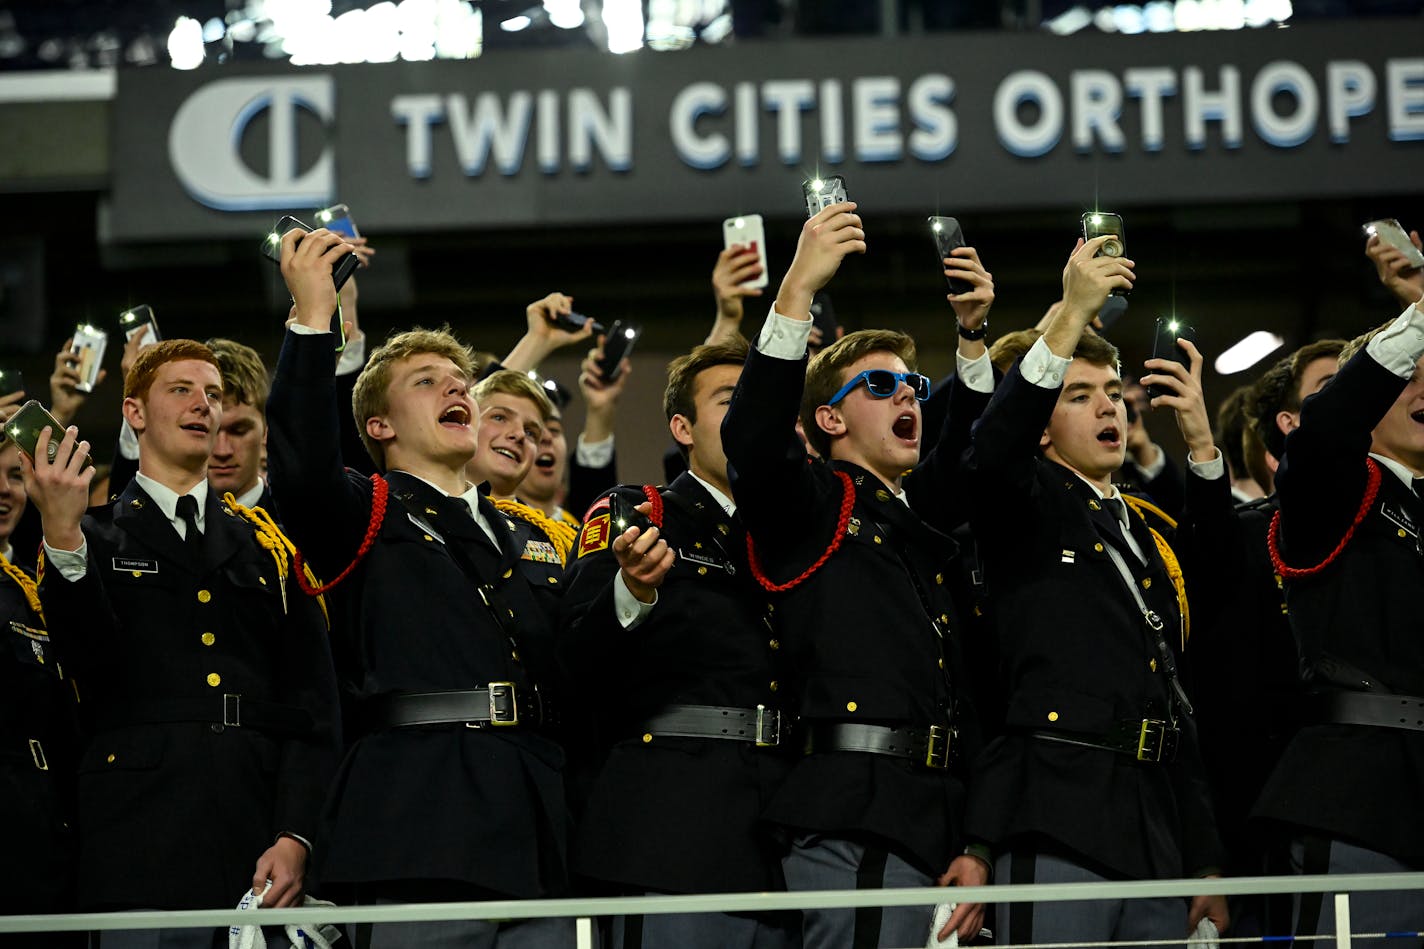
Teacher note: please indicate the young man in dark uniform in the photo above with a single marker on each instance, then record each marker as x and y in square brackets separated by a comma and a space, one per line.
[1097, 775]
[1348, 543]
[857, 557]
[450, 792]
[670, 621]
[207, 677]
[37, 722]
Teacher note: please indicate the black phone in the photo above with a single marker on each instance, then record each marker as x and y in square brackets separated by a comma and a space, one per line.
[1098, 223]
[573, 322]
[338, 220]
[947, 236]
[24, 427]
[1112, 311]
[1165, 334]
[11, 382]
[623, 514]
[345, 267]
[139, 319]
[823, 317]
[821, 193]
[617, 345]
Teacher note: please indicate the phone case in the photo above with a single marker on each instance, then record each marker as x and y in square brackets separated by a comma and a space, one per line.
[24, 429]
[1164, 346]
[11, 381]
[617, 347]
[948, 235]
[821, 193]
[138, 320]
[748, 231]
[1392, 233]
[624, 514]
[345, 267]
[338, 220]
[87, 353]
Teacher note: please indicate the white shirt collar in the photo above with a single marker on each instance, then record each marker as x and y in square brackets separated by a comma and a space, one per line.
[471, 497]
[1400, 472]
[1119, 510]
[252, 495]
[726, 503]
[167, 499]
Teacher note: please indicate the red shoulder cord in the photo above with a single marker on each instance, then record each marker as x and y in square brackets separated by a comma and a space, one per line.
[1273, 536]
[379, 492]
[655, 499]
[842, 522]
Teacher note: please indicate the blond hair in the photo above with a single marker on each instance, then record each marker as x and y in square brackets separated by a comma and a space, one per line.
[827, 373]
[371, 395]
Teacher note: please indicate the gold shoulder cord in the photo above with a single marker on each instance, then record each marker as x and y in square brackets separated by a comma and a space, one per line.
[283, 551]
[26, 585]
[560, 535]
[1169, 558]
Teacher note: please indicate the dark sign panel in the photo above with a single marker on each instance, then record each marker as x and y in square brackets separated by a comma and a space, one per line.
[969, 122]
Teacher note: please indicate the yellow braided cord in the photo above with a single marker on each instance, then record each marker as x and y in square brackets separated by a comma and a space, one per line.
[271, 539]
[1169, 558]
[560, 535]
[26, 585]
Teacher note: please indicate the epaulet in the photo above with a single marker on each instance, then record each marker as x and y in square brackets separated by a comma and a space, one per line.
[1273, 535]
[284, 552]
[557, 533]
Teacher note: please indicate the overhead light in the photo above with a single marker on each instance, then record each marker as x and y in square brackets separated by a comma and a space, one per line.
[623, 20]
[564, 14]
[185, 44]
[1247, 352]
[515, 23]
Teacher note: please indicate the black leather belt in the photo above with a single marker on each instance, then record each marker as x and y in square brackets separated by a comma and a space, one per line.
[499, 705]
[1365, 708]
[760, 725]
[930, 747]
[1146, 739]
[229, 709]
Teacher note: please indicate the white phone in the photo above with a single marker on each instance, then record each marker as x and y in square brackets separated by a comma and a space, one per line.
[1390, 232]
[747, 230]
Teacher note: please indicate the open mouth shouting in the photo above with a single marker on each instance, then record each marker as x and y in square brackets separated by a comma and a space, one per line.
[907, 428]
[456, 416]
[1110, 437]
[544, 461]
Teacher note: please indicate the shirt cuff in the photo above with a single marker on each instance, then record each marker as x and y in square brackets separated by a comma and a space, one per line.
[593, 454]
[128, 442]
[783, 338]
[1041, 367]
[631, 610]
[71, 564]
[1208, 470]
[352, 358]
[1399, 345]
[1151, 471]
[301, 329]
[298, 838]
[977, 374]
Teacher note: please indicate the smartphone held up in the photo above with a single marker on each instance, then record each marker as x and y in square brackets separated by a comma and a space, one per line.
[86, 354]
[340, 273]
[618, 345]
[821, 193]
[1392, 233]
[1165, 334]
[949, 236]
[748, 231]
[139, 321]
[29, 421]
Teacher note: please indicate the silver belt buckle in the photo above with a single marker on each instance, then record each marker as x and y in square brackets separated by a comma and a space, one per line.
[503, 706]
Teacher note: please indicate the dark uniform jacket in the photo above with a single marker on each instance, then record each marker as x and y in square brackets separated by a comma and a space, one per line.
[1076, 660]
[37, 739]
[676, 814]
[860, 636]
[482, 806]
[1359, 622]
[175, 806]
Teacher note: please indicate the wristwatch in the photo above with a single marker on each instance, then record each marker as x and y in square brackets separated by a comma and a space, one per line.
[969, 334]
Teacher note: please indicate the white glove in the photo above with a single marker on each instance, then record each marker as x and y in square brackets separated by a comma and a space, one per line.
[941, 916]
[1205, 936]
[250, 937]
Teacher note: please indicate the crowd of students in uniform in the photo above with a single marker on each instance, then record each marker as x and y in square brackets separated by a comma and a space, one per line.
[876, 632]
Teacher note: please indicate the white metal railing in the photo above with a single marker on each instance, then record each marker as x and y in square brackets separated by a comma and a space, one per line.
[584, 910]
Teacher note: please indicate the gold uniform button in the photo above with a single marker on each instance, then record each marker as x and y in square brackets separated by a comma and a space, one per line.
[647, 737]
[137, 574]
[1098, 548]
[214, 679]
[204, 596]
[1146, 583]
[509, 573]
[1403, 532]
[427, 537]
[553, 579]
[1094, 506]
[939, 578]
[1152, 664]
[110, 759]
[1053, 716]
[209, 639]
[882, 495]
[774, 685]
[702, 571]
[774, 645]
[262, 580]
[851, 706]
[878, 540]
[941, 663]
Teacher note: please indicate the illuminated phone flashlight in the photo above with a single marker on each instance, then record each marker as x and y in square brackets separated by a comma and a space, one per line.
[740, 223]
[1097, 219]
[274, 238]
[630, 333]
[937, 226]
[1173, 325]
[323, 215]
[817, 185]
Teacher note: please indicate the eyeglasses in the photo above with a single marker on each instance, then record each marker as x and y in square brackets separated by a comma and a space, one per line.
[882, 383]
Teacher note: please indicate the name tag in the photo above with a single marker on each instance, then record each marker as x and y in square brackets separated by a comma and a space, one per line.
[135, 565]
[706, 561]
[540, 551]
[1400, 519]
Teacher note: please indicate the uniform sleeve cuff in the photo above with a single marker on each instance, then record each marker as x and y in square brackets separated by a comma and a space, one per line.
[1041, 367]
[977, 374]
[784, 338]
[631, 610]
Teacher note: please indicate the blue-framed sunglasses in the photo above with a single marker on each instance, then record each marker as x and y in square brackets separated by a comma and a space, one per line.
[882, 383]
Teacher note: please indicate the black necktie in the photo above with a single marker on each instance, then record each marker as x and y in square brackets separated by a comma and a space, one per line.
[1118, 507]
[188, 512]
